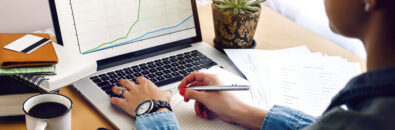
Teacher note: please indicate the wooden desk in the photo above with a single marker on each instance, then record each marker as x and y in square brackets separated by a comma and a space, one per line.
[274, 32]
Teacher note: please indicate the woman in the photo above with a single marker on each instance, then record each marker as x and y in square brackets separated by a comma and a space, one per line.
[369, 97]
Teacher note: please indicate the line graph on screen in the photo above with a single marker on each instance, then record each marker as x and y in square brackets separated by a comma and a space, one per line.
[108, 24]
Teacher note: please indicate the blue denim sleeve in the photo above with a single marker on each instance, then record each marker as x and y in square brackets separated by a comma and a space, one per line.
[283, 118]
[157, 121]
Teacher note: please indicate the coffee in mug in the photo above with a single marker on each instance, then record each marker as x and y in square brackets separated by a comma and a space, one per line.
[48, 111]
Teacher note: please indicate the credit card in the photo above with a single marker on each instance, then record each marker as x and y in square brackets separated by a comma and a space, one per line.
[27, 44]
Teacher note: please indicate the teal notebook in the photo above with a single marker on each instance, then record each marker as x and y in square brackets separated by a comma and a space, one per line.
[41, 70]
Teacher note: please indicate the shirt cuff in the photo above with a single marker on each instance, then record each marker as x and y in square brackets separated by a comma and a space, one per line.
[158, 120]
[280, 118]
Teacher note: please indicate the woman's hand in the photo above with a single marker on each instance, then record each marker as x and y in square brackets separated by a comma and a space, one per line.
[222, 105]
[209, 104]
[137, 93]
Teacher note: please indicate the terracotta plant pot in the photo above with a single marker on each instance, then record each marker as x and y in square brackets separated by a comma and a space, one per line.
[234, 31]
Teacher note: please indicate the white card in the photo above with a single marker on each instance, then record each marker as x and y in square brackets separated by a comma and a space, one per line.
[27, 44]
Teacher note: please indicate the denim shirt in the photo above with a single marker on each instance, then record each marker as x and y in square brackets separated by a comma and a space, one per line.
[369, 98]
[165, 120]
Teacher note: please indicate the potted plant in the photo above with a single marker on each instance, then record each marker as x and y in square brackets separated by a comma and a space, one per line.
[235, 22]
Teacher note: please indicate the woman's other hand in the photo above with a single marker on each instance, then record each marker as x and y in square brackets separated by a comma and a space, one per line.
[223, 105]
[208, 104]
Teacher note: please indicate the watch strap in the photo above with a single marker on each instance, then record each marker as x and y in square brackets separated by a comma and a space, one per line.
[158, 104]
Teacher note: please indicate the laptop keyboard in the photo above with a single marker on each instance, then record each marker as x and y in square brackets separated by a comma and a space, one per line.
[161, 72]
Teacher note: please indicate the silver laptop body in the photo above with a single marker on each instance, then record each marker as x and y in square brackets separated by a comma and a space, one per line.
[119, 119]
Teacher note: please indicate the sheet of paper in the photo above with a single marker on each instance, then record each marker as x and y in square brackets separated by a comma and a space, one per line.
[240, 57]
[305, 82]
[263, 60]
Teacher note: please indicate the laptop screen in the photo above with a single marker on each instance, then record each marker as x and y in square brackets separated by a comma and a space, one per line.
[107, 28]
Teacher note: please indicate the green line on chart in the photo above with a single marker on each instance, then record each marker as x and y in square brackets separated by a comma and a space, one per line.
[126, 36]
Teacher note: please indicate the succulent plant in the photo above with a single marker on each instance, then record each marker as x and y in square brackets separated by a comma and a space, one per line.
[238, 6]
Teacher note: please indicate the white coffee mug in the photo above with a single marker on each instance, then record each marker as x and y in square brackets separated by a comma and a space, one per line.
[62, 122]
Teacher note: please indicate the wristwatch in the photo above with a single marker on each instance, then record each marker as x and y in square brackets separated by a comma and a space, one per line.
[149, 106]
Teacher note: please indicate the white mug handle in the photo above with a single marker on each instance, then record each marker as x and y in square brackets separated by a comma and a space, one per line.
[41, 124]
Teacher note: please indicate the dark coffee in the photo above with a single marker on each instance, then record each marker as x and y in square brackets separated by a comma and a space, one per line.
[48, 110]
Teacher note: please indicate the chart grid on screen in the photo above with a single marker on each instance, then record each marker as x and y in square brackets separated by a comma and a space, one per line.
[103, 24]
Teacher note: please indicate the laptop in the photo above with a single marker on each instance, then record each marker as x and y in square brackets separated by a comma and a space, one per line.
[158, 39]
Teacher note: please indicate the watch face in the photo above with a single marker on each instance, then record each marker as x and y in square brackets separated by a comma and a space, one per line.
[143, 107]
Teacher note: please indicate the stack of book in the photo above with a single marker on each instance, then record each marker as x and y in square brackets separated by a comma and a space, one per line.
[23, 54]
[30, 62]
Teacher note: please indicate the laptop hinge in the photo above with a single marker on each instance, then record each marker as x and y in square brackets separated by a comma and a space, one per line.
[135, 56]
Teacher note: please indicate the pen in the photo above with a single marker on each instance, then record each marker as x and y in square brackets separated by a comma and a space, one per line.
[220, 88]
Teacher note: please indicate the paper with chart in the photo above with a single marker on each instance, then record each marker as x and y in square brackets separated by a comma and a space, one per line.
[294, 77]
[306, 87]
[240, 58]
[104, 25]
